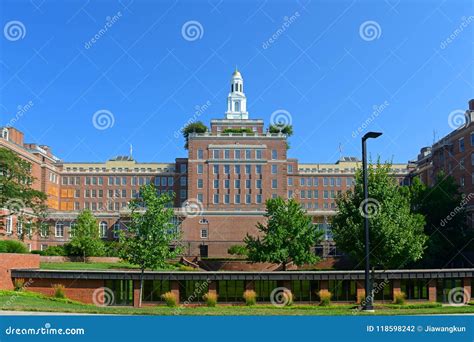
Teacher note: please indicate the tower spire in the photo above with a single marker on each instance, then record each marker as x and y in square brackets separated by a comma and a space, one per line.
[236, 100]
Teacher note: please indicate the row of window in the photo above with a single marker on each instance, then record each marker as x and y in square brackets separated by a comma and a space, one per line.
[461, 143]
[236, 154]
[237, 183]
[314, 181]
[237, 198]
[117, 181]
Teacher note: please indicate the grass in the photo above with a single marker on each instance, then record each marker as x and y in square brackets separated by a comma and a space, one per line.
[96, 266]
[29, 301]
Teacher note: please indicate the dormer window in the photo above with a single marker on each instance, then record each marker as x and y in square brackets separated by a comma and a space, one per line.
[5, 133]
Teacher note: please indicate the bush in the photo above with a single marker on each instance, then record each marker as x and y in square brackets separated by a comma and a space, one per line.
[186, 268]
[170, 299]
[55, 251]
[324, 297]
[399, 298]
[59, 291]
[239, 250]
[12, 246]
[37, 252]
[18, 284]
[250, 297]
[112, 248]
[211, 299]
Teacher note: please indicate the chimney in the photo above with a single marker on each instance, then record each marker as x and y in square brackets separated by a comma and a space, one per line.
[471, 104]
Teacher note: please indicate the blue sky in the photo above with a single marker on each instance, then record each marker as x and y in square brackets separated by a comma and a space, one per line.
[322, 68]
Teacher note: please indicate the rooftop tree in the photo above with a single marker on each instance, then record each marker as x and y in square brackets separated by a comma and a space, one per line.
[194, 127]
[150, 233]
[287, 236]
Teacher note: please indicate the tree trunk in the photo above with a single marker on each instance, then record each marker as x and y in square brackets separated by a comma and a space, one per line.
[284, 265]
[141, 288]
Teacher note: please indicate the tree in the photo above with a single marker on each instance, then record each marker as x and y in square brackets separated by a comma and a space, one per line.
[444, 208]
[285, 129]
[86, 241]
[288, 235]
[194, 127]
[150, 232]
[396, 232]
[16, 192]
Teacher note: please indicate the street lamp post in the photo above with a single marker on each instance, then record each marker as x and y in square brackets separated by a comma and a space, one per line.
[368, 284]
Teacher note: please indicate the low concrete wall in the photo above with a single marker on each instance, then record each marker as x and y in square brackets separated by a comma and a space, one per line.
[44, 258]
[15, 260]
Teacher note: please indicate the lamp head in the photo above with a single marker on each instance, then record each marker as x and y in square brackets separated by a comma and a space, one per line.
[372, 135]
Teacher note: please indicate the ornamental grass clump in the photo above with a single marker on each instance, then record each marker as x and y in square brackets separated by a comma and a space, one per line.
[250, 297]
[59, 291]
[170, 299]
[324, 297]
[19, 284]
[211, 299]
[399, 298]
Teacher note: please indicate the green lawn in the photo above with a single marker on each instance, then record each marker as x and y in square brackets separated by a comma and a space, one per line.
[29, 301]
[94, 266]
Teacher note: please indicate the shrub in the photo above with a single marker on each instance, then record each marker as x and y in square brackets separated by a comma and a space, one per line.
[250, 297]
[37, 252]
[55, 251]
[170, 299]
[12, 246]
[239, 250]
[211, 299]
[59, 291]
[18, 284]
[112, 248]
[324, 297]
[399, 298]
[186, 268]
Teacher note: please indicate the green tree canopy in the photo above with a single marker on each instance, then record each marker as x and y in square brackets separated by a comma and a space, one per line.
[396, 232]
[194, 127]
[16, 192]
[86, 241]
[444, 208]
[150, 233]
[288, 235]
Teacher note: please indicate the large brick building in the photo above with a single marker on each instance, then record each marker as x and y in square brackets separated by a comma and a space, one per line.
[220, 188]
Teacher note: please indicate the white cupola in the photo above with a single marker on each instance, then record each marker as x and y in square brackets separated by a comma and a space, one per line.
[236, 100]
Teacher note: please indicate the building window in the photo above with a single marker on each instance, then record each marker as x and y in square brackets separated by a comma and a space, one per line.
[248, 154]
[226, 198]
[216, 183]
[19, 227]
[200, 183]
[237, 184]
[290, 181]
[226, 169]
[226, 154]
[203, 233]
[248, 198]
[200, 168]
[237, 169]
[461, 164]
[237, 199]
[274, 169]
[274, 184]
[461, 181]
[226, 184]
[258, 169]
[215, 154]
[200, 154]
[274, 154]
[472, 158]
[302, 181]
[103, 229]
[9, 225]
[216, 198]
[258, 154]
[215, 169]
[237, 154]
[290, 168]
[461, 144]
[248, 169]
[247, 183]
[472, 139]
[290, 193]
[259, 198]
[116, 229]
[258, 183]
[183, 168]
[59, 231]
[5, 133]
[200, 197]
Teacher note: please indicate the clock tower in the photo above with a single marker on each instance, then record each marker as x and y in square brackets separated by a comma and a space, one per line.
[236, 100]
